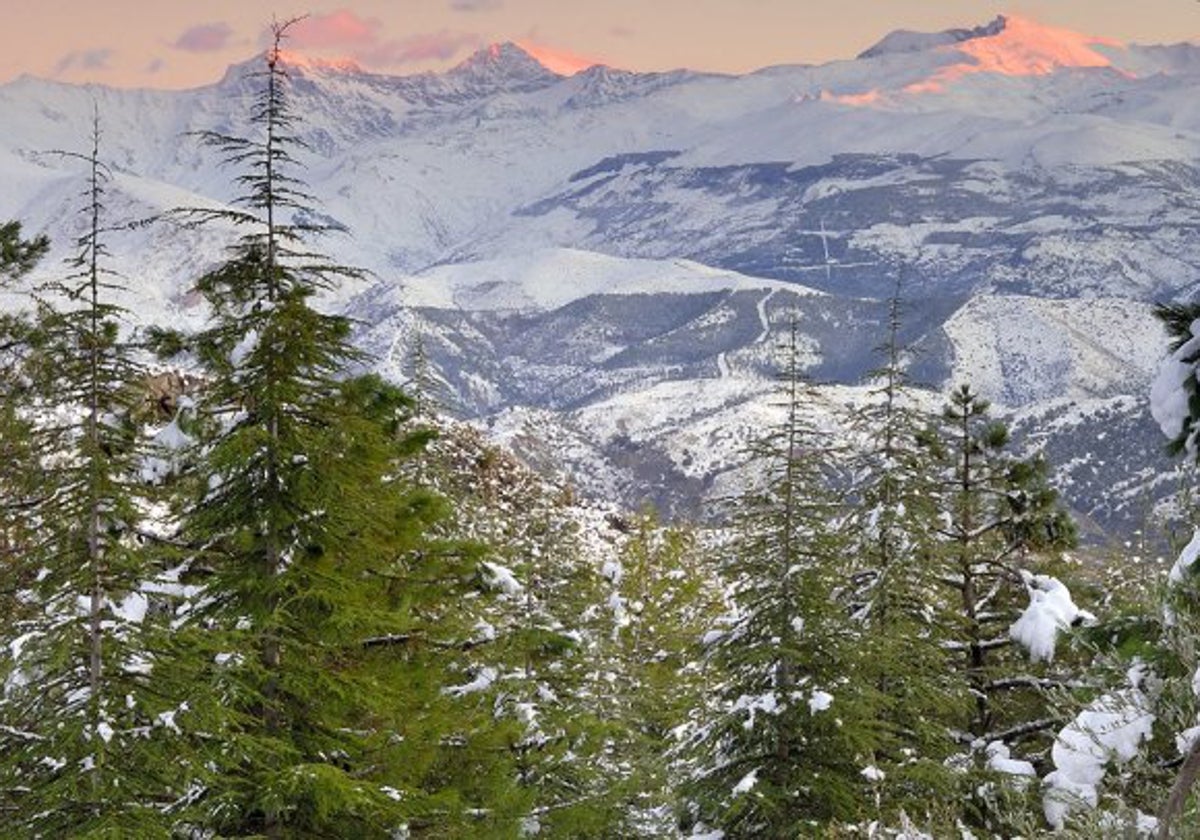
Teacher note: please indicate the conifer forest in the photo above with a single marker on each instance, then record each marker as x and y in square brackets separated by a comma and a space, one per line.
[254, 588]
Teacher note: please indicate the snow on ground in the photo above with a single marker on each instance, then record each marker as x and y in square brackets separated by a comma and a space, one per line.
[552, 278]
[1016, 350]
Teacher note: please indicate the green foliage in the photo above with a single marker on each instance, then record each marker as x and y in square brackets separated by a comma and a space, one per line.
[18, 256]
[895, 590]
[772, 753]
[85, 750]
[317, 579]
[998, 517]
[664, 598]
[533, 659]
[370, 623]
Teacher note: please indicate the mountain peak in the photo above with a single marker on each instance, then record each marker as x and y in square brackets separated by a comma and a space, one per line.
[1024, 47]
[1008, 46]
[308, 63]
[907, 41]
[501, 60]
[296, 64]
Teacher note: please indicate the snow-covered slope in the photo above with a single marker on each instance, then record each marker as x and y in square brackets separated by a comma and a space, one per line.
[548, 279]
[1019, 350]
[590, 244]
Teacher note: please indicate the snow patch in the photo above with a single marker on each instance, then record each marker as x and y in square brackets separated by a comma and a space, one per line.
[819, 701]
[1000, 760]
[1109, 730]
[1050, 610]
[502, 579]
[872, 773]
[482, 682]
[747, 783]
[1169, 393]
[1183, 565]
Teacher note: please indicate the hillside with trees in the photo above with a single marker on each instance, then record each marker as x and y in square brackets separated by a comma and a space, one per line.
[254, 588]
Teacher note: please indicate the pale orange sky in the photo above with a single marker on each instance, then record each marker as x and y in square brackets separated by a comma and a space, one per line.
[168, 43]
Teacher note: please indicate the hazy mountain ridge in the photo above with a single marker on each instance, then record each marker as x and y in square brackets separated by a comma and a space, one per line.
[1031, 218]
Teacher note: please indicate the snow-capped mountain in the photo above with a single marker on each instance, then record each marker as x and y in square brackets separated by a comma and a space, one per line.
[598, 262]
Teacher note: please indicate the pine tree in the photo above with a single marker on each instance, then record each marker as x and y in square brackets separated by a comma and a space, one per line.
[1176, 391]
[19, 256]
[86, 754]
[1175, 404]
[895, 593]
[18, 463]
[998, 511]
[998, 518]
[428, 389]
[548, 624]
[529, 681]
[315, 571]
[664, 598]
[791, 731]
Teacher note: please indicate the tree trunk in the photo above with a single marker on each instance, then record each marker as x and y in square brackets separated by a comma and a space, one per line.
[1179, 792]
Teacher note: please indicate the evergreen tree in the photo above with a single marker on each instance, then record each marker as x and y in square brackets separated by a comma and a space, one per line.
[536, 743]
[783, 749]
[664, 598]
[18, 462]
[896, 594]
[546, 626]
[316, 575]
[18, 256]
[85, 751]
[998, 511]
[1175, 404]
[548, 642]
[998, 518]
[1175, 397]
[429, 391]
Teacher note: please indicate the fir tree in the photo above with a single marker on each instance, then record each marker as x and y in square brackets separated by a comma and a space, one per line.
[1179, 320]
[17, 459]
[997, 512]
[664, 598]
[86, 751]
[998, 518]
[783, 748]
[18, 256]
[313, 559]
[429, 391]
[530, 741]
[1175, 399]
[18, 463]
[548, 626]
[895, 593]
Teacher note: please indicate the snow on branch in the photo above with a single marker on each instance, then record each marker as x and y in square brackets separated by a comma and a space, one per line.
[1109, 731]
[1050, 610]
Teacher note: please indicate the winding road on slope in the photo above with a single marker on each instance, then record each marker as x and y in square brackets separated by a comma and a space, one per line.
[723, 369]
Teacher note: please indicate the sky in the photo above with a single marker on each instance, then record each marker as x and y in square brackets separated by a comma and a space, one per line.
[176, 44]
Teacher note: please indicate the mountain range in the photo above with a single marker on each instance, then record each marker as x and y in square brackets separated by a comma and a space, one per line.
[598, 266]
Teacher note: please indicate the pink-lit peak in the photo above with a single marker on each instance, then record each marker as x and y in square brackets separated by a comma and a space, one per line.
[557, 61]
[1022, 48]
[1027, 48]
[301, 61]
